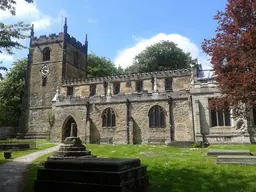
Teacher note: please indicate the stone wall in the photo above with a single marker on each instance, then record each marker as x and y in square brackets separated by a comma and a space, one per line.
[56, 52]
[42, 95]
[81, 57]
[39, 120]
[72, 71]
[202, 119]
[5, 132]
[127, 89]
[180, 83]
[118, 133]
[161, 85]
[62, 115]
[141, 131]
[100, 89]
[183, 122]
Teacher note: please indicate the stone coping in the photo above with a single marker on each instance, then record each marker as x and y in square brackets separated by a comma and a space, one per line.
[217, 152]
[95, 164]
[234, 159]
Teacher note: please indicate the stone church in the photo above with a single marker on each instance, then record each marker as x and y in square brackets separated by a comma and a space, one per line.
[148, 108]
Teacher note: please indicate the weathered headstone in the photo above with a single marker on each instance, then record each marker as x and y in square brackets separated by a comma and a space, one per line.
[216, 152]
[236, 159]
[92, 174]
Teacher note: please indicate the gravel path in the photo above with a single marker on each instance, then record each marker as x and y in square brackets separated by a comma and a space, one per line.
[13, 174]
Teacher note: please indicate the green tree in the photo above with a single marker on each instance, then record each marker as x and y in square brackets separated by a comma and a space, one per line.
[101, 66]
[11, 92]
[164, 55]
[10, 34]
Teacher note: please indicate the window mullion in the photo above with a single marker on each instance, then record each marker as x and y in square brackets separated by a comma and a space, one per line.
[224, 117]
[217, 118]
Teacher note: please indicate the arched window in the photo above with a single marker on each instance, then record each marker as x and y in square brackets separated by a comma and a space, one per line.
[156, 117]
[46, 54]
[108, 118]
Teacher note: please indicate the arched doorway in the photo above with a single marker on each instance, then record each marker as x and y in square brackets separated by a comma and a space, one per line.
[66, 130]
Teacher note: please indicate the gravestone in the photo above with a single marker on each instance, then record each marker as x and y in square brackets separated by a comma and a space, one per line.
[236, 159]
[156, 141]
[217, 152]
[72, 148]
[92, 174]
[106, 140]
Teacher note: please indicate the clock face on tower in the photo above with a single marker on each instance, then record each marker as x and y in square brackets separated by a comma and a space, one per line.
[45, 70]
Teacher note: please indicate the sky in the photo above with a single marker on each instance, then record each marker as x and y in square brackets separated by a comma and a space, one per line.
[119, 30]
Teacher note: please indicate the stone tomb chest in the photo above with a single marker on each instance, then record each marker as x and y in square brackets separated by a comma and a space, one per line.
[92, 174]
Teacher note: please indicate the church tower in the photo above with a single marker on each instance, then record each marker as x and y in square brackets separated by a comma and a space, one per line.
[50, 59]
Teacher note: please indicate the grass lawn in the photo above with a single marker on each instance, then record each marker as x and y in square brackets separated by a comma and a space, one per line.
[32, 172]
[178, 169]
[41, 144]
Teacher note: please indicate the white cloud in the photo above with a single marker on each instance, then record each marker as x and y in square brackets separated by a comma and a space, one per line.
[42, 23]
[29, 12]
[24, 10]
[125, 57]
[92, 21]
[6, 58]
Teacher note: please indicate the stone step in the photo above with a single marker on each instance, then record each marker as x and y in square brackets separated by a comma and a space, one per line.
[140, 185]
[217, 152]
[33, 135]
[99, 177]
[71, 153]
[233, 159]
[70, 157]
[92, 174]
[94, 164]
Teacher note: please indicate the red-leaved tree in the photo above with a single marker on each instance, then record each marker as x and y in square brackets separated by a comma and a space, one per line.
[233, 55]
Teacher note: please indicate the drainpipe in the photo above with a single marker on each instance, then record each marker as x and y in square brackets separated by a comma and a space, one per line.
[127, 120]
[172, 132]
[193, 118]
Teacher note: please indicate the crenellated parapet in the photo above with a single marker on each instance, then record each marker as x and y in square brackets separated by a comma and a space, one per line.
[44, 39]
[120, 98]
[75, 43]
[127, 77]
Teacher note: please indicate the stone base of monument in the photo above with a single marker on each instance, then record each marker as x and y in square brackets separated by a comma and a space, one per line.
[236, 159]
[217, 152]
[72, 148]
[92, 174]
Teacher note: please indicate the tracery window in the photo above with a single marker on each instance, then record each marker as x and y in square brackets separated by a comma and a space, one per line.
[156, 117]
[220, 117]
[108, 118]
